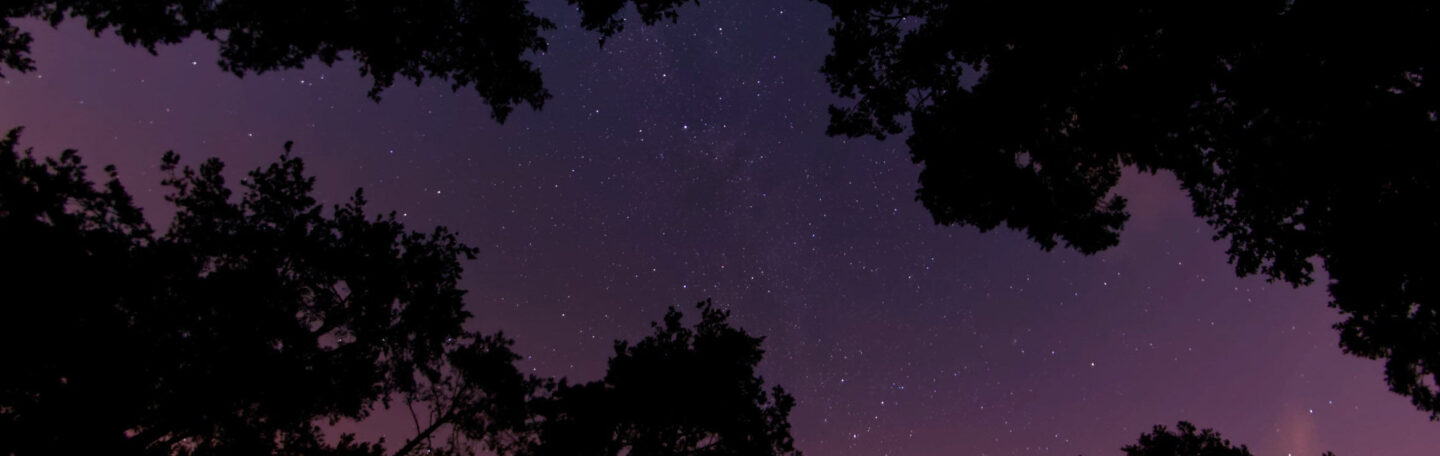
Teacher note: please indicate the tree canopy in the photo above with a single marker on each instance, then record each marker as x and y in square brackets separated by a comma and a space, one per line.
[485, 44]
[234, 331]
[251, 323]
[1185, 441]
[678, 391]
[1302, 131]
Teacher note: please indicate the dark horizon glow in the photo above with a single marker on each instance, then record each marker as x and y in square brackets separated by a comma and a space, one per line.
[686, 161]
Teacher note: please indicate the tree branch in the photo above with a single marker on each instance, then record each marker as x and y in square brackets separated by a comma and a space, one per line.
[411, 406]
[425, 434]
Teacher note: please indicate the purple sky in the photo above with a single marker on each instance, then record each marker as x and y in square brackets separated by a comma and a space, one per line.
[689, 161]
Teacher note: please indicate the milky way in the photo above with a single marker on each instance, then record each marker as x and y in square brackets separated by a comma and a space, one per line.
[688, 161]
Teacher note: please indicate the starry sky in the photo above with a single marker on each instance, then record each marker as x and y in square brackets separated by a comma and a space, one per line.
[688, 161]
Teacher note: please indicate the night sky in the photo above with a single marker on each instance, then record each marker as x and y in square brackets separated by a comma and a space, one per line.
[689, 161]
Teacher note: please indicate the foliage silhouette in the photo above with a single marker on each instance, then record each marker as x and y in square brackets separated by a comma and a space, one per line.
[678, 391]
[481, 43]
[249, 324]
[1295, 141]
[234, 331]
[1185, 442]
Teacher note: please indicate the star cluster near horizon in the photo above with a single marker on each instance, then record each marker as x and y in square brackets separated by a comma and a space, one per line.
[688, 161]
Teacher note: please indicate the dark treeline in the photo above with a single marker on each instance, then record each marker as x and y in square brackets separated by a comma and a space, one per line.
[253, 321]
[1185, 440]
[250, 322]
[1299, 143]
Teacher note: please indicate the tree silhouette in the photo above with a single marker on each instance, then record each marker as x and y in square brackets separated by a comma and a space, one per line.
[1296, 141]
[678, 391]
[235, 331]
[251, 323]
[481, 43]
[1185, 442]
